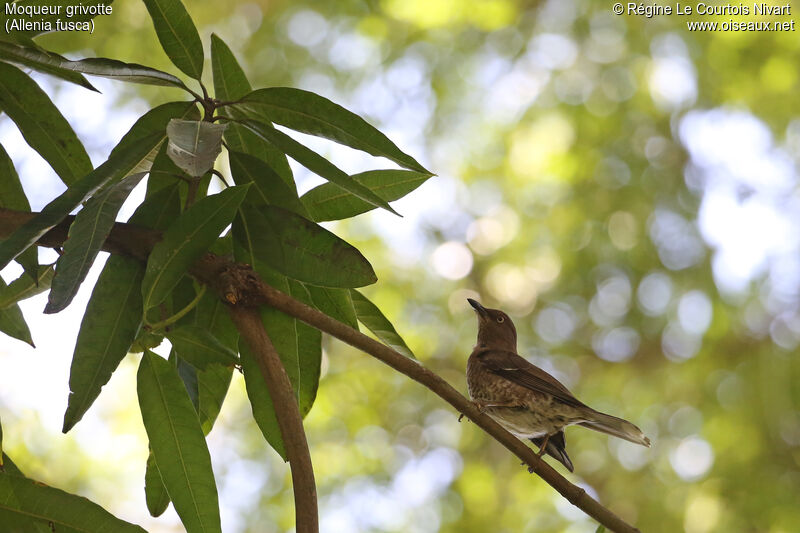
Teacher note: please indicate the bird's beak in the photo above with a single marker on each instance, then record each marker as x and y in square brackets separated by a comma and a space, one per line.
[481, 310]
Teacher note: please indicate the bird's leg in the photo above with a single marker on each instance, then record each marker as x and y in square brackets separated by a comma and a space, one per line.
[481, 406]
[543, 446]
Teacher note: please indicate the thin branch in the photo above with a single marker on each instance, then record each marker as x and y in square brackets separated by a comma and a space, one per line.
[248, 322]
[239, 284]
[574, 494]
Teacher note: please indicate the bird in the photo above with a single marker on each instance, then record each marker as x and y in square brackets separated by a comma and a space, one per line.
[526, 400]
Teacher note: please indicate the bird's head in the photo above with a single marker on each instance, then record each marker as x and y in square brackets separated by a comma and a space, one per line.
[495, 328]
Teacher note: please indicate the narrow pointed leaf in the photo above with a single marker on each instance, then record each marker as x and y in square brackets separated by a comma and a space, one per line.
[369, 315]
[309, 353]
[86, 236]
[131, 155]
[25, 287]
[113, 316]
[12, 323]
[230, 81]
[311, 113]
[186, 240]
[109, 326]
[42, 125]
[336, 303]
[114, 169]
[260, 401]
[26, 504]
[301, 249]
[155, 494]
[178, 444]
[12, 196]
[199, 347]
[230, 84]
[268, 187]
[188, 375]
[121, 71]
[212, 388]
[178, 35]
[42, 61]
[9, 467]
[314, 162]
[214, 381]
[330, 202]
[194, 144]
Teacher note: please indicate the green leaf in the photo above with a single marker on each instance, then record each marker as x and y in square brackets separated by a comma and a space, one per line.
[314, 162]
[188, 375]
[12, 196]
[25, 287]
[121, 71]
[230, 83]
[87, 234]
[113, 316]
[42, 125]
[178, 35]
[213, 382]
[42, 61]
[9, 467]
[369, 315]
[26, 504]
[109, 326]
[330, 202]
[155, 121]
[311, 113]
[155, 494]
[301, 249]
[194, 144]
[12, 323]
[117, 167]
[309, 353]
[186, 240]
[178, 444]
[131, 155]
[600, 529]
[212, 387]
[336, 303]
[199, 347]
[268, 187]
[260, 401]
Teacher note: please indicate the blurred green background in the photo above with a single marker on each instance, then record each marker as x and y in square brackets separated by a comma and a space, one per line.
[625, 188]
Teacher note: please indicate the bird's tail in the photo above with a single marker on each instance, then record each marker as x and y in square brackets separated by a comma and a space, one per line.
[615, 426]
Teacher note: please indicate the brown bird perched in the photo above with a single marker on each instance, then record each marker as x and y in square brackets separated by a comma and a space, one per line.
[526, 400]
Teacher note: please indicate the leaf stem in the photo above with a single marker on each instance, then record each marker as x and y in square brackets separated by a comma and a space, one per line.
[161, 325]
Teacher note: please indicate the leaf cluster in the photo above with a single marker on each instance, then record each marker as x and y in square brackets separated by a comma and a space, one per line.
[258, 219]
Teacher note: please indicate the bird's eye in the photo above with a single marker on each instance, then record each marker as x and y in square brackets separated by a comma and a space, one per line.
[500, 320]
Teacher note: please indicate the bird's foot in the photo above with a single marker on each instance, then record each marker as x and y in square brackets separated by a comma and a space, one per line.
[530, 468]
[480, 405]
[460, 417]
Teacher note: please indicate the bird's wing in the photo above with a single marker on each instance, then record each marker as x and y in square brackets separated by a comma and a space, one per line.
[518, 370]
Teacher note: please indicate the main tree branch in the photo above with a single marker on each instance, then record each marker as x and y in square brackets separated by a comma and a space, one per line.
[240, 285]
[248, 322]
